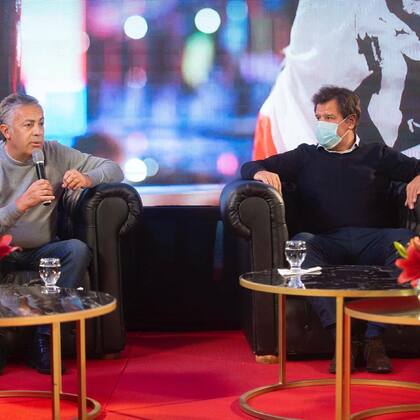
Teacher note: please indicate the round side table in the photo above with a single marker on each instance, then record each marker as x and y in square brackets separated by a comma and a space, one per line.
[397, 310]
[31, 305]
[337, 282]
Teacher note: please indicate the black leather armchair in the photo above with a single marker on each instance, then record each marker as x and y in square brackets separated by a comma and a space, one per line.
[106, 218]
[256, 214]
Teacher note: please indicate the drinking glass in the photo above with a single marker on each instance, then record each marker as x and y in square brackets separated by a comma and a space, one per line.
[295, 252]
[50, 271]
[295, 282]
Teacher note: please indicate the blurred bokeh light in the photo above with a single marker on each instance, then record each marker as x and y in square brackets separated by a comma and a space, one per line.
[135, 170]
[227, 164]
[207, 20]
[135, 27]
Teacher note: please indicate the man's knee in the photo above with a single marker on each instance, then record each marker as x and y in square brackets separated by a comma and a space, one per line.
[303, 236]
[403, 235]
[79, 251]
[396, 235]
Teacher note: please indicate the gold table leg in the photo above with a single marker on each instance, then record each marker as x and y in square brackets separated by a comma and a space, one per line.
[81, 367]
[56, 394]
[347, 367]
[281, 346]
[339, 357]
[56, 384]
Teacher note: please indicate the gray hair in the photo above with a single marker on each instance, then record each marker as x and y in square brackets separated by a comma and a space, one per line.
[10, 103]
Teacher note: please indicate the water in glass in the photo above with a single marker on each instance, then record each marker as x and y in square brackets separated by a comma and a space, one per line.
[50, 271]
[295, 252]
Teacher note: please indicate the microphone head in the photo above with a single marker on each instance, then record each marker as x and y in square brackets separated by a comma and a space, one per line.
[37, 156]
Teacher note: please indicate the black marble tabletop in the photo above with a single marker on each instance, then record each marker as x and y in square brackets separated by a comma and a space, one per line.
[29, 301]
[351, 277]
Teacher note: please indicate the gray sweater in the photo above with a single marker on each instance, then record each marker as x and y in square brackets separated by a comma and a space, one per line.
[38, 225]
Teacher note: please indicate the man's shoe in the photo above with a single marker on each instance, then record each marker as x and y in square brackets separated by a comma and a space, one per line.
[41, 358]
[355, 346]
[375, 356]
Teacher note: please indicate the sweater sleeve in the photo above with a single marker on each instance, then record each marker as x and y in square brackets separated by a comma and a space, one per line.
[398, 166]
[286, 164]
[98, 169]
[9, 215]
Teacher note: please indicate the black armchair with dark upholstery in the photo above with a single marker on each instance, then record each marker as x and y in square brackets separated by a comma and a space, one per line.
[106, 218]
[256, 214]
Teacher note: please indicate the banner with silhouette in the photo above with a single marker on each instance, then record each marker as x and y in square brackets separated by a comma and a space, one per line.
[371, 47]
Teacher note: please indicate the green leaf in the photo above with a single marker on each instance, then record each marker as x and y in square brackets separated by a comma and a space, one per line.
[401, 249]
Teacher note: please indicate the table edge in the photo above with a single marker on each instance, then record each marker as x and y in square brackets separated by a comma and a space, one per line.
[58, 317]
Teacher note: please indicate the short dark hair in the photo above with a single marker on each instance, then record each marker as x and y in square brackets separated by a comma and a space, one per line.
[348, 101]
[10, 103]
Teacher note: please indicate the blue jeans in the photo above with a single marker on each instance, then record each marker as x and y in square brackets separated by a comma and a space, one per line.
[350, 245]
[74, 257]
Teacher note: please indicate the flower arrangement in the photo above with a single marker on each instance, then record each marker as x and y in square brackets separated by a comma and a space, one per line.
[5, 248]
[410, 261]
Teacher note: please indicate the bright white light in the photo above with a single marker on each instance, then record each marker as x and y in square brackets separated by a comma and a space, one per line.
[135, 27]
[152, 166]
[207, 20]
[135, 170]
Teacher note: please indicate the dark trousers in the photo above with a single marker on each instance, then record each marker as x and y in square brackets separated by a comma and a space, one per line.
[353, 246]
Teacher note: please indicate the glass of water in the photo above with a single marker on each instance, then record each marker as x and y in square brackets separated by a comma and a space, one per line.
[49, 271]
[295, 252]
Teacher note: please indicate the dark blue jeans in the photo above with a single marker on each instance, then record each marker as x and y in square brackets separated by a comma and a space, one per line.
[74, 257]
[355, 246]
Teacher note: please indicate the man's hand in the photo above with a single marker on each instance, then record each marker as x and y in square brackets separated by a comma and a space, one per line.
[269, 178]
[412, 190]
[73, 179]
[37, 193]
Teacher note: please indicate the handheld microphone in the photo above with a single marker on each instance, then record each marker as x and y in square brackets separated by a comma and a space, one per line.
[38, 159]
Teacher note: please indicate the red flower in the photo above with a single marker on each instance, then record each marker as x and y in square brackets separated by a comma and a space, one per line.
[410, 266]
[5, 248]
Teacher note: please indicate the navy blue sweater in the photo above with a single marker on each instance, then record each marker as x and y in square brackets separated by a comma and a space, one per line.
[340, 190]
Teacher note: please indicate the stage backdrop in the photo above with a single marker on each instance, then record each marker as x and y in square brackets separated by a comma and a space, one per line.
[370, 46]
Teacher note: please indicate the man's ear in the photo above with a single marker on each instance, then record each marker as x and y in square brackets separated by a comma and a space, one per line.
[352, 119]
[4, 129]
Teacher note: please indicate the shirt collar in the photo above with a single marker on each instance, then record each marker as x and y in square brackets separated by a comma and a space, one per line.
[355, 146]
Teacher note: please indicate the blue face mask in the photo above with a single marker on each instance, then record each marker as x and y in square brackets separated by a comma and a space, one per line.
[326, 134]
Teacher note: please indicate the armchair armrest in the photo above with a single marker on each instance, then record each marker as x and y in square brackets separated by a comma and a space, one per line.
[100, 216]
[407, 218]
[256, 212]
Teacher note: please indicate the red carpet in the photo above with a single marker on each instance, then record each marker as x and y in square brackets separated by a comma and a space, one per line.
[197, 376]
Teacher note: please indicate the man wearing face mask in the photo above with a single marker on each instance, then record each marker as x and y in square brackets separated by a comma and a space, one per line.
[343, 187]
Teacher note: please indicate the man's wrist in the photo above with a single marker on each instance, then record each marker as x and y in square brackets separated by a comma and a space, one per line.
[20, 205]
[88, 181]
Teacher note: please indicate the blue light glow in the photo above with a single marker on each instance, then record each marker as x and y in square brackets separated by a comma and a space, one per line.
[235, 36]
[152, 166]
[237, 10]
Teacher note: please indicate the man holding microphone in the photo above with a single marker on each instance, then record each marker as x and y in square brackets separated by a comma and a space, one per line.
[34, 173]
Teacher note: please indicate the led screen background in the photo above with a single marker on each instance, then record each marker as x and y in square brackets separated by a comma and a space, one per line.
[177, 84]
[171, 89]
